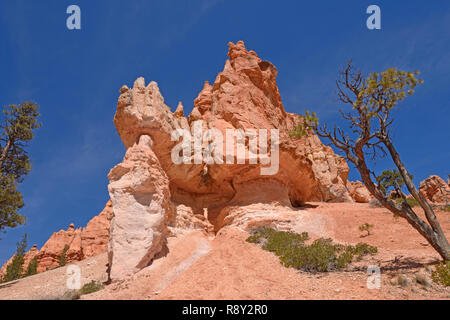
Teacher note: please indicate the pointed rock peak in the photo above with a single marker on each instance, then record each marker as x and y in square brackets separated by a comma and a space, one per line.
[34, 246]
[180, 110]
[139, 83]
[206, 85]
[153, 85]
[206, 89]
[238, 50]
[71, 226]
[124, 89]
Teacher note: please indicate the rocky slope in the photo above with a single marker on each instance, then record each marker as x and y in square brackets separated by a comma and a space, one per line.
[81, 243]
[225, 266]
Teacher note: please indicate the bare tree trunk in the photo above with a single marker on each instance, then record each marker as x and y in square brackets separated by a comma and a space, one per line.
[440, 242]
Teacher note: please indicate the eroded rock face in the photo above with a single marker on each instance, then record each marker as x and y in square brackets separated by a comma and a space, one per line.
[435, 189]
[244, 96]
[50, 253]
[147, 186]
[139, 190]
[81, 243]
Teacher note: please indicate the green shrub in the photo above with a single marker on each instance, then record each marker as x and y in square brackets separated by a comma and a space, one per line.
[366, 227]
[320, 256]
[62, 257]
[91, 287]
[411, 201]
[32, 267]
[442, 274]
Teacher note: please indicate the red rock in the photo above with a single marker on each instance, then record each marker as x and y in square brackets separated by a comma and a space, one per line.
[435, 189]
[359, 192]
[244, 96]
[82, 243]
[95, 236]
[29, 255]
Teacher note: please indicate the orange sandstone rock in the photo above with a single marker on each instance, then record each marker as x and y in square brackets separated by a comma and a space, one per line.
[435, 189]
[244, 96]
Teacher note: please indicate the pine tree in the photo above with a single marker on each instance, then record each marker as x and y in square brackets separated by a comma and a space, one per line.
[15, 269]
[32, 267]
[16, 130]
[372, 100]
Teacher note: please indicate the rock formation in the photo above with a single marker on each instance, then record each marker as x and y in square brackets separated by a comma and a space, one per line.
[435, 189]
[359, 192]
[81, 243]
[153, 193]
[139, 191]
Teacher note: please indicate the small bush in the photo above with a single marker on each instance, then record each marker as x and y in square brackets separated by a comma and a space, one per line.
[442, 274]
[32, 267]
[91, 287]
[446, 208]
[62, 257]
[365, 227]
[320, 256]
[411, 201]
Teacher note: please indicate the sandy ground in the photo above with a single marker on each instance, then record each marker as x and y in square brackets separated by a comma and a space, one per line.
[227, 267]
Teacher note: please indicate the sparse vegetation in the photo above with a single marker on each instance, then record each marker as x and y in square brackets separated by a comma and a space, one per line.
[391, 179]
[14, 270]
[442, 274]
[91, 287]
[411, 202]
[62, 257]
[321, 256]
[372, 100]
[32, 267]
[365, 227]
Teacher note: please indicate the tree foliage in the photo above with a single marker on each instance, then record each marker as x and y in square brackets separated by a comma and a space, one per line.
[372, 99]
[32, 267]
[15, 269]
[391, 179]
[62, 257]
[17, 126]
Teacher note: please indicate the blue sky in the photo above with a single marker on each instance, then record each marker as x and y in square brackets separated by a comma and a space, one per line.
[75, 77]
